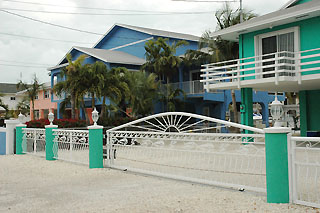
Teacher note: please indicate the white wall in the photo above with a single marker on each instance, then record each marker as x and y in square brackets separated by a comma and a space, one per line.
[12, 104]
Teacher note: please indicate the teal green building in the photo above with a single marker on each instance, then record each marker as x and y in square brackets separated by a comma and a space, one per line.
[278, 52]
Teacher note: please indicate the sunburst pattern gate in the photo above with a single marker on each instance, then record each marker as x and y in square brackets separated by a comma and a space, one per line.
[189, 147]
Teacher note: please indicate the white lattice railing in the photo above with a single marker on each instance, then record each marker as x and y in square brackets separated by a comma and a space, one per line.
[306, 170]
[185, 146]
[34, 141]
[295, 65]
[71, 145]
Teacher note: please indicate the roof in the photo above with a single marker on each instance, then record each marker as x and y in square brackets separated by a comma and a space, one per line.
[153, 32]
[8, 88]
[109, 56]
[289, 4]
[280, 17]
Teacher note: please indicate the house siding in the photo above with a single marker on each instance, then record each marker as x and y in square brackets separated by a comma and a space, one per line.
[308, 30]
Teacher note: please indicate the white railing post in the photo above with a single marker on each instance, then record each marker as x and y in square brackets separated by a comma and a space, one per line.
[293, 175]
[35, 142]
[298, 67]
[207, 79]
[70, 143]
[276, 68]
[238, 73]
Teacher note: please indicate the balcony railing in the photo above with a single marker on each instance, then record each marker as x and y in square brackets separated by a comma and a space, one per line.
[189, 87]
[273, 68]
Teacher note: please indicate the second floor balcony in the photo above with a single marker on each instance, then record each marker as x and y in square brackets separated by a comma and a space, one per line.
[279, 71]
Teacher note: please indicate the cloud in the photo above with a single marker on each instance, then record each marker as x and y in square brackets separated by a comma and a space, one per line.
[49, 52]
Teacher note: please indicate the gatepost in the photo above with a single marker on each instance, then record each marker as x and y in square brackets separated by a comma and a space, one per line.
[49, 142]
[277, 167]
[19, 138]
[95, 146]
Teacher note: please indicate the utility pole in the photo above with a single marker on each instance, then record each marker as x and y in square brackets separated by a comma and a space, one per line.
[241, 14]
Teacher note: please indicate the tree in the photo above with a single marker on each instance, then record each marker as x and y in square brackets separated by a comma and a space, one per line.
[143, 92]
[32, 90]
[161, 58]
[24, 106]
[72, 81]
[226, 50]
[114, 87]
[171, 97]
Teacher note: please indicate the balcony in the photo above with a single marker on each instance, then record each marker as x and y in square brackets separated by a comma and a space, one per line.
[189, 87]
[281, 71]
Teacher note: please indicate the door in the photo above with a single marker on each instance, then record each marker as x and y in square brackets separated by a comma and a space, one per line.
[282, 45]
[269, 46]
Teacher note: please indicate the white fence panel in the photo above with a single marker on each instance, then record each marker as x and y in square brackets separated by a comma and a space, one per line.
[306, 170]
[34, 141]
[71, 145]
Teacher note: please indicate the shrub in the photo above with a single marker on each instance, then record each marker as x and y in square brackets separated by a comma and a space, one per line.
[62, 123]
[114, 121]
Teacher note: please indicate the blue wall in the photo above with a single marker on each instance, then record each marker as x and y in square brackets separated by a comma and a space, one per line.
[2, 143]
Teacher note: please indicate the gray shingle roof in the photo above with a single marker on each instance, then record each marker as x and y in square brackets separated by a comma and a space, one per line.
[8, 88]
[161, 33]
[112, 56]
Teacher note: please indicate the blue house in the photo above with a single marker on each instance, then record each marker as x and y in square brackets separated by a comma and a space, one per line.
[278, 52]
[123, 46]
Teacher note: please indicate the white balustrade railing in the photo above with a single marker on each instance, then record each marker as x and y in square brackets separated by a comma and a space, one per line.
[274, 65]
[305, 155]
[71, 145]
[34, 141]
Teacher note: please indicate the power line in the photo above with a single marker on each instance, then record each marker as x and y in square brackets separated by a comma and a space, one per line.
[89, 8]
[207, 1]
[22, 62]
[48, 39]
[110, 14]
[16, 65]
[48, 23]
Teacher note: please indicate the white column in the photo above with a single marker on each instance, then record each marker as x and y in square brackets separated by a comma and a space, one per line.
[10, 138]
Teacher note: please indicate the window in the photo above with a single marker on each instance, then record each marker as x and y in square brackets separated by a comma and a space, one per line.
[282, 43]
[36, 114]
[45, 113]
[36, 97]
[12, 98]
[47, 94]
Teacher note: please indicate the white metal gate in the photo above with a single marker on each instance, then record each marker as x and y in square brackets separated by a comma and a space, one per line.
[34, 141]
[190, 147]
[305, 173]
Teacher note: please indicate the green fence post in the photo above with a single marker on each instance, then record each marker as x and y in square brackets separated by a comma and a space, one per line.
[49, 141]
[95, 146]
[277, 167]
[19, 138]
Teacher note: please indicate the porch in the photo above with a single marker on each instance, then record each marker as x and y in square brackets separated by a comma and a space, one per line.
[280, 71]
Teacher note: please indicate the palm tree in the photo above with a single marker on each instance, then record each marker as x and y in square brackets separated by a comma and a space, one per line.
[225, 50]
[73, 81]
[171, 97]
[24, 106]
[2, 104]
[143, 92]
[32, 90]
[161, 59]
[114, 87]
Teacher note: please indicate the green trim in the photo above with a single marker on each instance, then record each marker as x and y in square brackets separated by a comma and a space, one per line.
[303, 113]
[49, 143]
[95, 148]
[277, 168]
[19, 136]
[247, 112]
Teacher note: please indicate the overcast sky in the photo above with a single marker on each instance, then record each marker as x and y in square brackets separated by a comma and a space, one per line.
[34, 52]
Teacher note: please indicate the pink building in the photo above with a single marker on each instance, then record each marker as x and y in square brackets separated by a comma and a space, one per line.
[43, 105]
